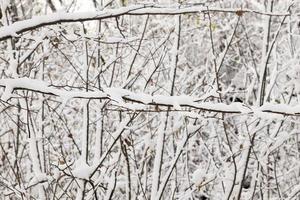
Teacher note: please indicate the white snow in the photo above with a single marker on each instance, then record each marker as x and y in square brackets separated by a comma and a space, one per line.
[118, 96]
[82, 170]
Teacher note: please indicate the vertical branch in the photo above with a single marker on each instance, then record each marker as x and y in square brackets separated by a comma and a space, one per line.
[111, 186]
[175, 52]
[99, 125]
[291, 38]
[85, 133]
[13, 65]
[265, 49]
[276, 176]
[17, 143]
[174, 63]
[99, 134]
[265, 65]
[41, 130]
[229, 192]
[85, 103]
[128, 174]
[34, 153]
[214, 54]
[85, 126]
[163, 127]
[244, 161]
[13, 71]
[156, 174]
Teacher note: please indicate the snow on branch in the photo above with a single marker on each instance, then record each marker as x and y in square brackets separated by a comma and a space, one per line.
[119, 96]
[59, 17]
[42, 87]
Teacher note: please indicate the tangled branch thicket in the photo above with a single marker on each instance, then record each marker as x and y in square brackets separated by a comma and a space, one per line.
[150, 101]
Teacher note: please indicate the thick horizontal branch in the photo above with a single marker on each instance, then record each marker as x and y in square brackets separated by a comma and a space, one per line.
[44, 20]
[120, 96]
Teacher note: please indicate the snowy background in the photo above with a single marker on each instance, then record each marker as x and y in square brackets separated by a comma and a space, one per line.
[129, 99]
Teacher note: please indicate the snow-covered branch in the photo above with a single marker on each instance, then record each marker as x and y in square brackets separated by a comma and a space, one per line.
[60, 17]
[119, 97]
